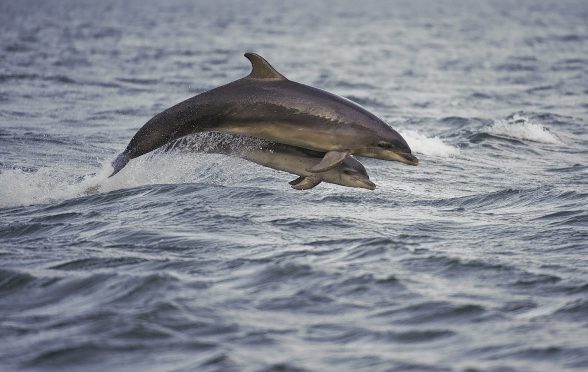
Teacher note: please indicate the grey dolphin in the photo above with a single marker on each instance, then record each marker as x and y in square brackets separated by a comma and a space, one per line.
[267, 105]
[291, 159]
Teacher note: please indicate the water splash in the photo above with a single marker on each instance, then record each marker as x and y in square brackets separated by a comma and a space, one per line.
[432, 146]
[18, 187]
[47, 185]
[521, 127]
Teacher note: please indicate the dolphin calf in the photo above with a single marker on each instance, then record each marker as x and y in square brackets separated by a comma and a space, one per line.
[265, 104]
[291, 159]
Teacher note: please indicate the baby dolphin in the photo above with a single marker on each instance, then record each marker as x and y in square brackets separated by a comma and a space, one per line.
[267, 105]
[291, 159]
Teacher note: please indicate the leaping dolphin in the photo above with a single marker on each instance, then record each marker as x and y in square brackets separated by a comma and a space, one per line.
[265, 104]
[291, 159]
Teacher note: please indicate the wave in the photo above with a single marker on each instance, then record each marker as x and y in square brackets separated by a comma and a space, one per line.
[46, 185]
[19, 187]
[522, 128]
[432, 146]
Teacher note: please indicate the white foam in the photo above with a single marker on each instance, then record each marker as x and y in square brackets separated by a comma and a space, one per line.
[433, 146]
[520, 127]
[46, 185]
[18, 188]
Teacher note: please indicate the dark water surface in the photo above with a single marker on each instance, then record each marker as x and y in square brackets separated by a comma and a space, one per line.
[474, 260]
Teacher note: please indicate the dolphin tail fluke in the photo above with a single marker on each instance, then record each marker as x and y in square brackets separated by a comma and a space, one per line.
[119, 163]
[329, 161]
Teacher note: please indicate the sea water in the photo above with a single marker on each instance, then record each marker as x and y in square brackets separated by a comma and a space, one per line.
[474, 260]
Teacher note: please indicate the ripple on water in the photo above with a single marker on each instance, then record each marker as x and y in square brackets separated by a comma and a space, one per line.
[576, 311]
[273, 275]
[570, 357]
[31, 231]
[442, 312]
[313, 223]
[477, 271]
[509, 198]
[11, 281]
[99, 263]
[344, 334]
[365, 288]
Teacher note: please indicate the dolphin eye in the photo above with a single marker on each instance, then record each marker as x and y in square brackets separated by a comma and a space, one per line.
[347, 172]
[384, 145]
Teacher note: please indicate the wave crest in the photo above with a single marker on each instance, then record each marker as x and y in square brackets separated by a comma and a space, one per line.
[521, 127]
[46, 185]
[433, 146]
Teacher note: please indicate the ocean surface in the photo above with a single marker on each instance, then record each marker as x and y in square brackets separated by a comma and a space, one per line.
[476, 260]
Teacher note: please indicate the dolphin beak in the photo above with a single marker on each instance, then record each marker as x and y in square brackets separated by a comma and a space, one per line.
[408, 158]
[366, 184]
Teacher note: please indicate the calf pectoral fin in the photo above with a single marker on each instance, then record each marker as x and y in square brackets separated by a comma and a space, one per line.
[297, 180]
[329, 161]
[305, 183]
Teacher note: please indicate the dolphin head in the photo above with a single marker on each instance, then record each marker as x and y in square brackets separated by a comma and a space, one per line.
[389, 146]
[350, 173]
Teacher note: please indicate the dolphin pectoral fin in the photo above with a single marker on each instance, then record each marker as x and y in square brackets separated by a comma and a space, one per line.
[297, 180]
[305, 183]
[329, 161]
[119, 163]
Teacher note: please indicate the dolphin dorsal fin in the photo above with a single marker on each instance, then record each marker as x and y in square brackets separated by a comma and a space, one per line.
[261, 69]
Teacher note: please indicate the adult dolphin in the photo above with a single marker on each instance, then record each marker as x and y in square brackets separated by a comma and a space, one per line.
[267, 105]
[291, 159]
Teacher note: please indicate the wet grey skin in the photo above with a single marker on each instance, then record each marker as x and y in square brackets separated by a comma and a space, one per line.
[291, 159]
[267, 105]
